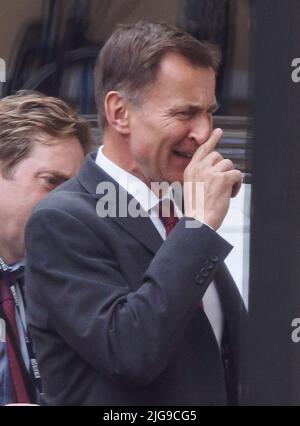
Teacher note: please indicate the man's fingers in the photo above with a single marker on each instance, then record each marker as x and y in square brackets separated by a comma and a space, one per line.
[236, 189]
[209, 145]
[212, 159]
[224, 165]
[236, 179]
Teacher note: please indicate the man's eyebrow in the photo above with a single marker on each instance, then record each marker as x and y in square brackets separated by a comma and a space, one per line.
[193, 108]
[55, 173]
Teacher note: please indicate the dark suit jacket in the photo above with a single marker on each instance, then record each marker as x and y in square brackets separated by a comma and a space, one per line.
[114, 311]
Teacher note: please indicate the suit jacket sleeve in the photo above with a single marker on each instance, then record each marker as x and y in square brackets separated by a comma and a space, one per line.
[75, 284]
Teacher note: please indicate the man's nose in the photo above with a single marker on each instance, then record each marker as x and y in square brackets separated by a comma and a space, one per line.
[201, 129]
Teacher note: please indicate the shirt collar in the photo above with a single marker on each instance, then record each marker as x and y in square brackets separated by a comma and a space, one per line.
[12, 267]
[16, 266]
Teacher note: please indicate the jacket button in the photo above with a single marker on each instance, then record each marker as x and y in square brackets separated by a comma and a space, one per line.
[204, 272]
[199, 280]
[209, 265]
[214, 259]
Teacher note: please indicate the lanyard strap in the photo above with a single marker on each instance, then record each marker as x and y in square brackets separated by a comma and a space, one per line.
[30, 386]
[10, 281]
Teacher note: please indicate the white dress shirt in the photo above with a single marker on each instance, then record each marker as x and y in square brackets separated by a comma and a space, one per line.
[149, 202]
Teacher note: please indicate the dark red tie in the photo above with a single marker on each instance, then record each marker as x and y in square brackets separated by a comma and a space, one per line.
[167, 216]
[8, 307]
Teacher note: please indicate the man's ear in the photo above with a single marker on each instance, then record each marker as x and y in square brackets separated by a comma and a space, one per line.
[116, 110]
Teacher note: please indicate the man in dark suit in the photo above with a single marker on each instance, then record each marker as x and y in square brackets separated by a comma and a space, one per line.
[129, 298]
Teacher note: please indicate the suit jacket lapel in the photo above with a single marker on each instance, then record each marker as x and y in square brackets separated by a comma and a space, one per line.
[141, 227]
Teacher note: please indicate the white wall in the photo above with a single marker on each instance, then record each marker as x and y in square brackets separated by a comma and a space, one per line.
[236, 230]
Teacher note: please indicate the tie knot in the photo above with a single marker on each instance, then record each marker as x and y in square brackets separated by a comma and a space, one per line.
[167, 215]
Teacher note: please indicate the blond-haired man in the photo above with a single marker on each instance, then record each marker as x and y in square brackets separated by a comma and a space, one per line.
[42, 144]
